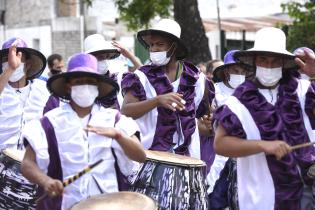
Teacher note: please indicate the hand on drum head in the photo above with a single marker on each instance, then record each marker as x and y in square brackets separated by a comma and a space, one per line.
[172, 101]
[276, 148]
[53, 187]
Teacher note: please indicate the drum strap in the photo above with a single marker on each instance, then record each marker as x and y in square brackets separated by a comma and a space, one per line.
[54, 167]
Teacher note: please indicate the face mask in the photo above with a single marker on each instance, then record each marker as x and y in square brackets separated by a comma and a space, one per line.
[236, 80]
[160, 58]
[102, 67]
[84, 95]
[17, 74]
[268, 76]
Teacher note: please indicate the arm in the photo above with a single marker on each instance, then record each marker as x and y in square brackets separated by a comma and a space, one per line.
[14, 60]
[235, 147]
[33, 173]
[134, 108]
[131, 146]
[137, 64]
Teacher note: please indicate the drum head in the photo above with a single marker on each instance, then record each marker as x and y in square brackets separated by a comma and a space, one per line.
[15, 154]
[173, 159]
[117, 201]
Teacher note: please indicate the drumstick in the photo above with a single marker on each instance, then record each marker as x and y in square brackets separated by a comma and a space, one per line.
[302, 145]
[73, 178]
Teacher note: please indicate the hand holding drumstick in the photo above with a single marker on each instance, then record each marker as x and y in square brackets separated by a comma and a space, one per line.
[281, 148]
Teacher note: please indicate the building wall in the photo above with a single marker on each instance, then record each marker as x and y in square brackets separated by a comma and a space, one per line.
[35, 37]
[27, 13]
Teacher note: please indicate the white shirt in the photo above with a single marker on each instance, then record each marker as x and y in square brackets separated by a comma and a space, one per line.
[12, 114]
[222, 92]
[271, 95]
[77, 149]
[18, 106]
[37, 100]
[148, 122]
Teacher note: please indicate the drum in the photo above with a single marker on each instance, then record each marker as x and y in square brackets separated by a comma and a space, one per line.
[117, 201]
[173, 181]
[16, 192]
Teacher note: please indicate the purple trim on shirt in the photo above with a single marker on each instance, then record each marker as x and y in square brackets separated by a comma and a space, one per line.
[205, 104]
[131, 82]
[54, 167]
[272, 122]
[167, 120]
[284, 121]
[52, 102]
[310, 104]
[207, 153]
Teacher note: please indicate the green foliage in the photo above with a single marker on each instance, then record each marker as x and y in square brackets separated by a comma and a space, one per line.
[300, 12]
[138, 13]
[302, 32]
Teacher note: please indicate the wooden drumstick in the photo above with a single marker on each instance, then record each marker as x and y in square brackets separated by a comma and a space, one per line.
[73, 178]
[302, 145]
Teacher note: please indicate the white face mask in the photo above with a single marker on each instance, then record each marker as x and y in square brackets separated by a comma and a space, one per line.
[102, 66]
[159, 58]
[236, 80]
[268, 76]
[17, 74]
[84, 95]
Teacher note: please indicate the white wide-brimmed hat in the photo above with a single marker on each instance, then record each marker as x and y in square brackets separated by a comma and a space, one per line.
[269, 41]
[168, 28]
[95, 44]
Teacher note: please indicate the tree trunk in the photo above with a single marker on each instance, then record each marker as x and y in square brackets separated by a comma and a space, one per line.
[186, 13]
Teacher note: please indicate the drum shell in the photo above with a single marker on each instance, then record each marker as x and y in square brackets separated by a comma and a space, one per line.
[117, 201]
[173, 186]
[16, 192]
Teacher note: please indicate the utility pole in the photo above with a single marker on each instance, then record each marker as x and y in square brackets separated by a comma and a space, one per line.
[219, 28]
[82, 23]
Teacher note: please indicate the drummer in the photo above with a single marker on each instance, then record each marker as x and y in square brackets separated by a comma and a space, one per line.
[262, 119]
[168, 95]
[105, 53]
[221, 178]
[69, 138]
[18, 104]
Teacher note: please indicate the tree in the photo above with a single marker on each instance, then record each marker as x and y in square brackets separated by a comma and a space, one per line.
[302, 32]
[186, 13]
[138, 13]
